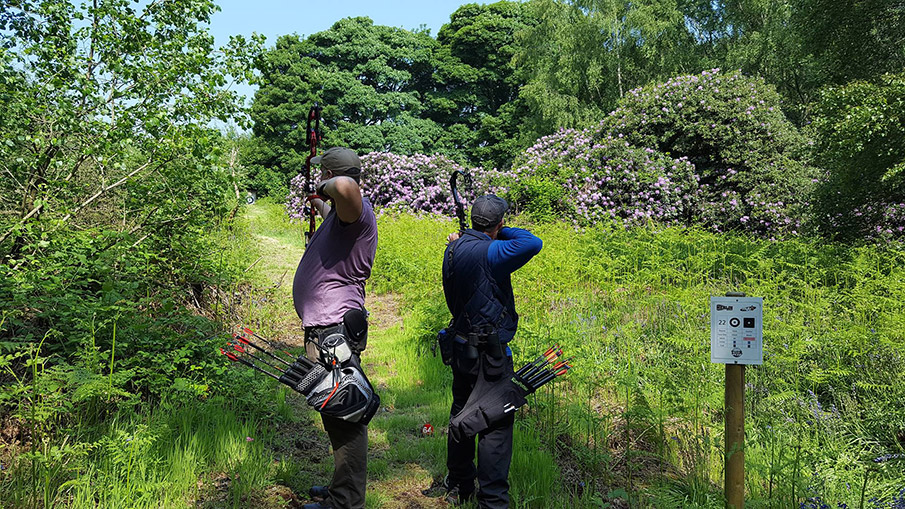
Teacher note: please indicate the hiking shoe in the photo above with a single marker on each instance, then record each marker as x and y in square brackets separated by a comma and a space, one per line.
[316, 505]
[454, 497]
[319, 492]
[437, 489]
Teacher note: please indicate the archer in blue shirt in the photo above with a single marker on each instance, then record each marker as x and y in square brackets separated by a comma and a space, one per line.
[477, 268]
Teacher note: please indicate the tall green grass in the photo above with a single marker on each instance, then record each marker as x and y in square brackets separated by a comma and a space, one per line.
[639, 418]
[206, 442]
[643, 407]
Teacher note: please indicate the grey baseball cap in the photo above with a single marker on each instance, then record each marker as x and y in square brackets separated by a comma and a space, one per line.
[338, 160]
[488, 210]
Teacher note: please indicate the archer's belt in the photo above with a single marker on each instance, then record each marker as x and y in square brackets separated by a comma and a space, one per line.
[486, 342]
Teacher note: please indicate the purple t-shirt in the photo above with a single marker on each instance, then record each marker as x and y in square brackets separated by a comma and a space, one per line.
[330, 279]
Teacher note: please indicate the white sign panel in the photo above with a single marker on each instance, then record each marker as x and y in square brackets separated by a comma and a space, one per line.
[736, 330]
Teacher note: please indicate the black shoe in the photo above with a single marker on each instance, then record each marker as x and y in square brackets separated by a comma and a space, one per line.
[438, 488]
[456, 498]
[319, 492]
[316, 505]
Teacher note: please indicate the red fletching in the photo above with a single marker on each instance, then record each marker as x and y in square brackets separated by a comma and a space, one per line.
[564, 362]
[330, 396]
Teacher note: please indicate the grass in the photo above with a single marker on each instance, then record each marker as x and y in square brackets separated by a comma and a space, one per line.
[639, 419]
[644, 401]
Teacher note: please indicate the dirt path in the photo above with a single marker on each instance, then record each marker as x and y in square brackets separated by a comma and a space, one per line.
[398, 466]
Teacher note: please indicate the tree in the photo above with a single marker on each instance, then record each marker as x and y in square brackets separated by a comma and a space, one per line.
[766, 42]
[370, 79]
[584, 55]
[477, 81]
[101, 98]
[853, 39]
[860, 143]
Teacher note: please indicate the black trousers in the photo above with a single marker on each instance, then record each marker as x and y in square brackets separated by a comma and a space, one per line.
[494, 445]
[350, 458]
[350, 453]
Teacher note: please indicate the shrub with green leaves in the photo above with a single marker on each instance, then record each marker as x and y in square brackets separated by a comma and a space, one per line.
[571, 175]
[860, 143]
[746, 154]
[114, 192]
[415, 183]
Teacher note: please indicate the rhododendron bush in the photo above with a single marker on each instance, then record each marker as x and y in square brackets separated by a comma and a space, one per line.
[712, 149]
[572, 176]
[417, 183]
[747, 155]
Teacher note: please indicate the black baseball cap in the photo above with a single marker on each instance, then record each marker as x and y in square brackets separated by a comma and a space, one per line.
[488, 211]
[339, 160]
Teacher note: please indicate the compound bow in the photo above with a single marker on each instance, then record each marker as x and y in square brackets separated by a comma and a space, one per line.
[457, 198]
[312, 138]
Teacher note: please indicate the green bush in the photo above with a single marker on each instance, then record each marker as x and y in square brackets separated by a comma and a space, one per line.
[860, 143]
[570, 175]
[746, 154]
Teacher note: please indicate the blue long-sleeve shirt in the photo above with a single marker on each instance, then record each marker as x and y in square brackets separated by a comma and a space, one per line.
[512, 249]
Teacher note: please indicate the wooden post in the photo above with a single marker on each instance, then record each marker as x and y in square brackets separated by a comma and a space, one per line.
[735, 432]
[735, 436]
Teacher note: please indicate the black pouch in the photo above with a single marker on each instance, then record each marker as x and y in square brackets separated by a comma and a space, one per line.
[493, 401]
[495, 367]
[355, 323]
[445, 341]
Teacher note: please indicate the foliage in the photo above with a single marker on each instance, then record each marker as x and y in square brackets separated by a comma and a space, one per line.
[762, 38]
[582, 56]
[860, 143]
[415, 183]
[370, 80]
[114, 188]
[386, 89]
[630, 305]
[98, 98]
[852, 39]
[748, 157]
[477, 86]
[571, 176]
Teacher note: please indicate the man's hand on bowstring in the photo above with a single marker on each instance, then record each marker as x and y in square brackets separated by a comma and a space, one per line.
[343, 193]
[319, 199]
[453, 237]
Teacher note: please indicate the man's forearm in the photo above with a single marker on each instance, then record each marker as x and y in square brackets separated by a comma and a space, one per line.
[346, 196]
[322, 207]
[513, 249]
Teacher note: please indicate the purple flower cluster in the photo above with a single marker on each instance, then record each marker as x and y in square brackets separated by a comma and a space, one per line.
[295, 200]
[818, 415]
[417, 183]
[420, 183]
[873, 220]
[607, 179]
[731, 127]
[897, 502]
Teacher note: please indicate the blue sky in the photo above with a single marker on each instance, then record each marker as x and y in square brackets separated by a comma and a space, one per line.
[274, 18]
